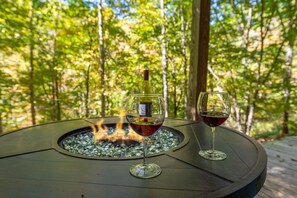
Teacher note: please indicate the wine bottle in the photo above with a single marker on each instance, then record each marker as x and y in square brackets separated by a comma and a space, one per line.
[145, 106]
[146, 88]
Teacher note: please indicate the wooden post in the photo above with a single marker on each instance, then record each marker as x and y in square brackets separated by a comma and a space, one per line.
[199, 54]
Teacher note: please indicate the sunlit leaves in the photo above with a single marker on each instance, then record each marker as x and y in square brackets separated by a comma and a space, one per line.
[247, 48]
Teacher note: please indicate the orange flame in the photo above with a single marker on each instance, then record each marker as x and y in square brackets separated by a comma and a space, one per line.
[100, 132]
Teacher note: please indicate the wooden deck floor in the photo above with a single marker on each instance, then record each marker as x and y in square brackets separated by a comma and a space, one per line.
[281, 180]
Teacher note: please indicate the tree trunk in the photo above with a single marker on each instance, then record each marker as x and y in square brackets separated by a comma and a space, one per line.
[287, 90]
[287, 81]
[164, 60]
[250, 116]
[251, 106]
[55, 84]
[174, 74]
[58, 104]
[31, 67]
[87, 97]
[53, 73]
[56, 111]
[199, 55]
[237, 114]
[1, 124]
[184, 52]
[102, 57]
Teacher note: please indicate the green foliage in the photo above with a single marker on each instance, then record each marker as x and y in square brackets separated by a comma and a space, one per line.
[66, 56]
[248, 42]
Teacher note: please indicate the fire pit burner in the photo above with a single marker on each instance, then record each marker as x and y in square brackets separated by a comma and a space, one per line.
[81, 143]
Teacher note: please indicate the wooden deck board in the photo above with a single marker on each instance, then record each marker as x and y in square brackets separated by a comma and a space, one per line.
[281, 180]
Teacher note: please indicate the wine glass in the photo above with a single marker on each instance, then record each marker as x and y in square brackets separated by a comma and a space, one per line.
[145, 115]
[214, 109]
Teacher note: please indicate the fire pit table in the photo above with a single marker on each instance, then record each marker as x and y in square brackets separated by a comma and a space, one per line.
[34, 164]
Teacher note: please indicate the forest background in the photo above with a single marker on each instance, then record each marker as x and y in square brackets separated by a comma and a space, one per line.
[63, 59]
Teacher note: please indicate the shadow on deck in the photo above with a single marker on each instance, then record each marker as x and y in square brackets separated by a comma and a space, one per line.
[281, 180]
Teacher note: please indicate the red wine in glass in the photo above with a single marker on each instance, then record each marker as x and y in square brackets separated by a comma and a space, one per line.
[145, 114]
[213, 119]
[214, 109]
[145, 126]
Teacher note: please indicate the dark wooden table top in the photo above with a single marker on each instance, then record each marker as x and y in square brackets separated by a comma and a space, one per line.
[32, 166]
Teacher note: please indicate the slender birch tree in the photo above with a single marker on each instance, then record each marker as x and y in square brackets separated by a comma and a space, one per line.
[164, 58]
[31, 62]
[102, 57]
[289, 26]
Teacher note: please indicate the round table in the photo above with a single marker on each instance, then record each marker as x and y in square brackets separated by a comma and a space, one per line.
[32, 166]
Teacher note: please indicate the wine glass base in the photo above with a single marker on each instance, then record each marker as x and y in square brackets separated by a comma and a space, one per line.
[145, 171]
[213, 154]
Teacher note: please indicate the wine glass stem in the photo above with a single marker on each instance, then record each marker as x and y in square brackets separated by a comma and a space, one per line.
[213, 129]
[144, 151]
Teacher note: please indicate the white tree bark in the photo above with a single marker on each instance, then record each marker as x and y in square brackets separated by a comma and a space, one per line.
[102, 57]
[164, 60]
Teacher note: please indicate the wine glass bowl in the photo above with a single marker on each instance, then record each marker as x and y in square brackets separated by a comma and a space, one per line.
[145, 115]
[214, 110]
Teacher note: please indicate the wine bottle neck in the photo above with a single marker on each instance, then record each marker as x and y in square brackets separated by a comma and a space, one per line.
[146, 84]
[146, 75]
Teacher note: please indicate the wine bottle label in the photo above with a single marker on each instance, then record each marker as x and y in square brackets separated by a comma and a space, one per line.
[145, 109]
